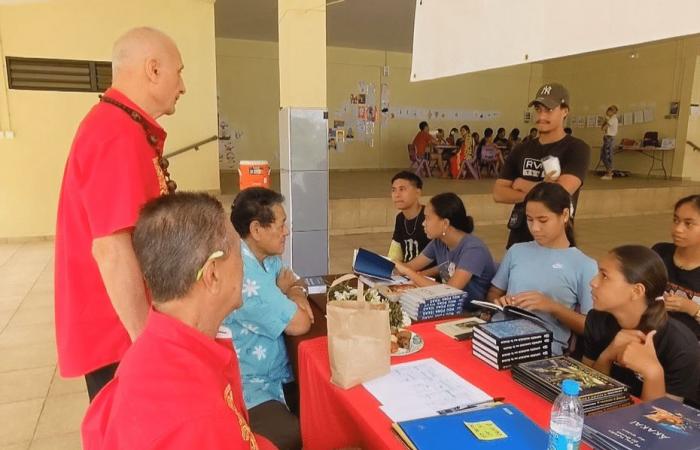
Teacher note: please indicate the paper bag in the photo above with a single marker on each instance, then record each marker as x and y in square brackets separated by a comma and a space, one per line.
[359, 341]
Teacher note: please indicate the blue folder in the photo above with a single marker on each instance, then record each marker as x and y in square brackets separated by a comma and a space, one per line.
[449, 432]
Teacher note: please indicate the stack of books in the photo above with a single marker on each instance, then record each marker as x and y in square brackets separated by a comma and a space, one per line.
[661, 424]
[599, 392]
[504, 343]
[431, 302]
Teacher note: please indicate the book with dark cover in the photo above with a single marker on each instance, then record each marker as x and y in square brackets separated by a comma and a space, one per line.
[550, 372]
[451, 432]
[505, 362]
[661, 424]
[510, 311]
[537, 347]
[372, 265]
[513, 347]
[510, 331]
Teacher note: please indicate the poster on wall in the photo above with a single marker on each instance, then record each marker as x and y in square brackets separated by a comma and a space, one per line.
[629, 118]
[228, 140]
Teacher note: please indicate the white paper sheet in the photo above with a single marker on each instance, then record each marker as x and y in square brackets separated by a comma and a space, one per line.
[422, 388]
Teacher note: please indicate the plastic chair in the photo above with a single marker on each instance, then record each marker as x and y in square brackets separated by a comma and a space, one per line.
[418, 165]
[490, 159]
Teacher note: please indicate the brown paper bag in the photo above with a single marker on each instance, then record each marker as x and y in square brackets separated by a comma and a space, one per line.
[359, 341]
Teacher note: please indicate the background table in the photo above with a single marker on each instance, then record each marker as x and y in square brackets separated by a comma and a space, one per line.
[335, 418]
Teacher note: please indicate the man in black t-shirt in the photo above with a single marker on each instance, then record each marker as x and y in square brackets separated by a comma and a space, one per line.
[523, 168]
[409, 237]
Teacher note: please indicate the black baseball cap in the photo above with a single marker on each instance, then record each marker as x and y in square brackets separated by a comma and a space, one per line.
[551, 95]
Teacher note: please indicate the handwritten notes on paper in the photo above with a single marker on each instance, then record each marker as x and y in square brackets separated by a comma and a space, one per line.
[422, 388]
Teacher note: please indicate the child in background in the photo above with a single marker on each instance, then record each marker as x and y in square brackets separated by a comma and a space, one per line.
[609, 132]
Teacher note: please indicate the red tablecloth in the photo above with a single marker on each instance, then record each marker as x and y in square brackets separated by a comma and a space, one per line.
[334, 418]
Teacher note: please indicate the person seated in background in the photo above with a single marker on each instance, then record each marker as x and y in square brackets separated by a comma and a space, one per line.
[424, 142]
[628, 334]
[492, 152]
[274, 303]
[462, 260]
[475, 140]
[177, 387]
[465, 152]
[488, 137]
[452, 138]
[409, 237]
[682, 261]
[548, 276]
[513, 138]
[500, 139]
[440, 137]
[531, 136]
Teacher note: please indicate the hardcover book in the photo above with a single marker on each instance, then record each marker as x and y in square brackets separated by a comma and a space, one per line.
[662, 424]
[550, 372]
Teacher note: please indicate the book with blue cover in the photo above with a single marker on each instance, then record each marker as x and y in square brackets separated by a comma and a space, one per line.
[661, 424]
[372, 265]
[515, 330]
[498, 427]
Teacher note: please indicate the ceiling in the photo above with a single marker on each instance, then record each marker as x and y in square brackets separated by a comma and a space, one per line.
[372, 24]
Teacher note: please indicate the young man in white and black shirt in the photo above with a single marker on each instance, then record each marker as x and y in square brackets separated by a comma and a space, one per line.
[523, 168]
[409, 237]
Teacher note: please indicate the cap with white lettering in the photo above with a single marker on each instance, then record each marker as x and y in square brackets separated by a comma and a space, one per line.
[551, 95]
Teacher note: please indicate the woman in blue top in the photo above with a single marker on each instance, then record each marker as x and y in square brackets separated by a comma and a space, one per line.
[548, 276]
[463, 260]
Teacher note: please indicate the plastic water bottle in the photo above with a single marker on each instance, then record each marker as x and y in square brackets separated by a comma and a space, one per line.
[566, 422]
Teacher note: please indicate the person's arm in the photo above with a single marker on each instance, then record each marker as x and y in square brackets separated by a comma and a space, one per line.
[395, 253]
[504, 192]
[678, 303]
[612, 352]
[431, 272]
[303, 317]
[537, 301]
[123, 279]
[460, 279]
[642, 359]
[417, 279]
[494, 294]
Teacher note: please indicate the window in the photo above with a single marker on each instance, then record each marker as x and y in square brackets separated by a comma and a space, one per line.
[42, 74]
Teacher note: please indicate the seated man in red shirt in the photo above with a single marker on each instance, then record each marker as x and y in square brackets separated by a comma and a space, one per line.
[177, 387]
[423, 143]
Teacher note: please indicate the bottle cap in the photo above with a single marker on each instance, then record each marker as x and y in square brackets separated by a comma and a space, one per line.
[570, 387]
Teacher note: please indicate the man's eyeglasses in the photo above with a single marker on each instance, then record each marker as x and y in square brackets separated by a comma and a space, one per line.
[216, 254]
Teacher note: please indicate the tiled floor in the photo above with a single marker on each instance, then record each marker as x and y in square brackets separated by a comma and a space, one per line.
[39, 410]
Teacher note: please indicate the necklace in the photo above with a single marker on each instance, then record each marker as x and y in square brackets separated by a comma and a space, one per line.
[415, 224]
[686, 267]
[152, 139]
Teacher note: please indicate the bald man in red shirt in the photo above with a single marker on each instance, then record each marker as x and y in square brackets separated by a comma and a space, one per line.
[178, 386]
[115, 165]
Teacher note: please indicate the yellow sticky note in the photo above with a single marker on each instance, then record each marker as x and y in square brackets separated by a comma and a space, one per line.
[485, 430]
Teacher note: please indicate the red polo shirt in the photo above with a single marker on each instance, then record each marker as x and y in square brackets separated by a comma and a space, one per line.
[176, 388]
[110, 173]
[421, 142]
